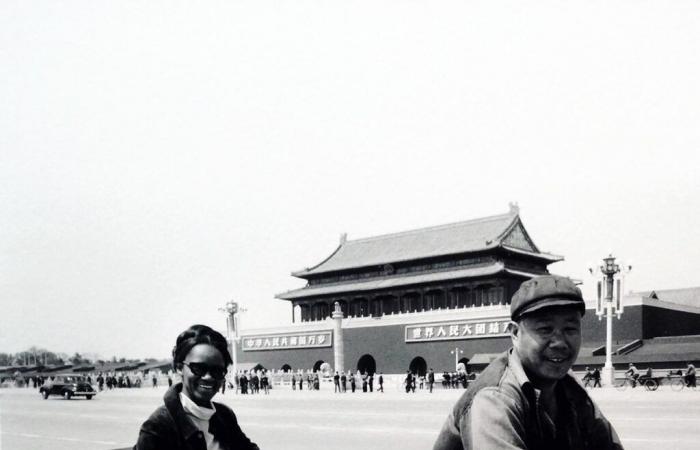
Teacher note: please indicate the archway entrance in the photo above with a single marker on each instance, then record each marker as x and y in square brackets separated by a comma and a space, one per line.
[286, 368]
[317, 365]
[367, 363]
[418, 366]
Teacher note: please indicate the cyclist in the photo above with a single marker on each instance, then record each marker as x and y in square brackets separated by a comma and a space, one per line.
[633, 374]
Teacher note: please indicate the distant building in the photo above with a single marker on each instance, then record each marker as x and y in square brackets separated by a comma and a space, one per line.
[660, 329]
[410, 300]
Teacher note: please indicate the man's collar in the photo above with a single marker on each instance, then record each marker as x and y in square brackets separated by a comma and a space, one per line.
[521, 377]
[517, 368]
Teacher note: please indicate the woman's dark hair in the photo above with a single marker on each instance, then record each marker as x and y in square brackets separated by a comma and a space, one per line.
[199, 334]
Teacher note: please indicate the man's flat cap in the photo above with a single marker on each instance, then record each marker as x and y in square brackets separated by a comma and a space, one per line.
[545, 291]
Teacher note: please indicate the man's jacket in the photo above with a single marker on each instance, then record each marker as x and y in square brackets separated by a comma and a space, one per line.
[501, 410]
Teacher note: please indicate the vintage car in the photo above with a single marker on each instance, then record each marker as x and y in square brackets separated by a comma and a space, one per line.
[67, 386]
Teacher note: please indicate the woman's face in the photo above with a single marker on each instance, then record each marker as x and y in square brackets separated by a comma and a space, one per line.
[203, 372]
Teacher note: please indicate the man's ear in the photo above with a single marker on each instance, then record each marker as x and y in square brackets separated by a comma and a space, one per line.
[514, 329]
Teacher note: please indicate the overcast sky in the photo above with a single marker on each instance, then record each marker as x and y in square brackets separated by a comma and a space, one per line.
[160, 158]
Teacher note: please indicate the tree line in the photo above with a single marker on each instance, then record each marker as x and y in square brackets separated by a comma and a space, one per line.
[35, 356]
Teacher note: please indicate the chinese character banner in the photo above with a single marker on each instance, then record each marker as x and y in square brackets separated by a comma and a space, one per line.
[287, 341]
[465, 329]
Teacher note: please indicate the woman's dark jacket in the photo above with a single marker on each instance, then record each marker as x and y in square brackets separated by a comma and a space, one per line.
[169, 428]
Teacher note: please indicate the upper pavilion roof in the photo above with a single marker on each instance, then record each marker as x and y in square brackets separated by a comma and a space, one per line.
[505, 230]
[685, 296]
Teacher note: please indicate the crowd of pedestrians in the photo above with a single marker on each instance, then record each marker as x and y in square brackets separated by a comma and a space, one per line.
[251, 382]
[450, 380]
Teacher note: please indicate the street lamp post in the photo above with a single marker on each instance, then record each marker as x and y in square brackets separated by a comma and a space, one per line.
[456, 352]
[231, 309]
[609, 269]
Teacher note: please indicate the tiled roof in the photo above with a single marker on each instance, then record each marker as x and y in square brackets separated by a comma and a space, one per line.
[685, 296]
[402, 280]
[664, 349]
[450, 239]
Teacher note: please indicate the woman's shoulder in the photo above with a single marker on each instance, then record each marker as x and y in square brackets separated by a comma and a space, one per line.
[158, 420]
[157, 431]
[224, 411]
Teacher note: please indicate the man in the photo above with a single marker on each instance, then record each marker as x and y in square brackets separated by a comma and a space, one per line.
[431, 380]
[596, 378]
[690, 380]
[336, 382]
[588, 377]
[527, 398]
[343, 381]
[633, 374]
[380, 380]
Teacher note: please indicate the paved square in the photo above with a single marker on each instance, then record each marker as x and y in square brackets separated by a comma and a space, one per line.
[293, 420]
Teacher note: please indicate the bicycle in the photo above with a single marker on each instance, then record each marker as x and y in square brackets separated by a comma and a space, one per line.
[677, 382]
[650, 384]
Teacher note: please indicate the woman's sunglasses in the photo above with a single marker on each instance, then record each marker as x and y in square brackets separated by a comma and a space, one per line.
[201, 369]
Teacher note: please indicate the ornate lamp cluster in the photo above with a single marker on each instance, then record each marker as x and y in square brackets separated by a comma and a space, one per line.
[611, 287]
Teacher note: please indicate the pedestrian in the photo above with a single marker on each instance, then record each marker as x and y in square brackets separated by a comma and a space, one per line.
[525, 398]
[588, 377]
[294, 383]
[343, 382]
[370, 382]
[336, 382]
[690, 378]
[265, 382]
[189, 419]
[254, 383]
[431, 380]
[244, 382]
[408, 381]
[352, 381]
[155, 380]
[380, 380]
[596, 378]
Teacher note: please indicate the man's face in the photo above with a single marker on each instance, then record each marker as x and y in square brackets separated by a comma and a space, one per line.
[547, 343]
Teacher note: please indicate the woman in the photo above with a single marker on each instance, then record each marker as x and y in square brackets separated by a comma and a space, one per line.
[189, 420]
